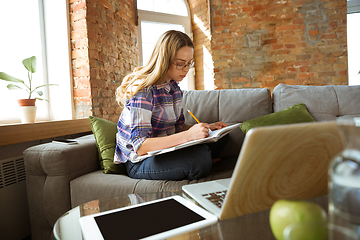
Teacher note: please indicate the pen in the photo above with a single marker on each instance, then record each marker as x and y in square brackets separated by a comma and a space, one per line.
[193, 116]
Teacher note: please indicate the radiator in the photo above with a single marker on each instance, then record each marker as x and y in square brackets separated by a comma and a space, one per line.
[14, 211]
[12, 171]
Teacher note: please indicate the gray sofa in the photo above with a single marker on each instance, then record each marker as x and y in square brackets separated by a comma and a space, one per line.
[60, 177]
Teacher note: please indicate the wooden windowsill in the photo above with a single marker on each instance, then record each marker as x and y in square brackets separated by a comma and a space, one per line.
[27, 132]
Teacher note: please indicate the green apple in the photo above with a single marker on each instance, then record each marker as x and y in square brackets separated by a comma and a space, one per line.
[307, 219]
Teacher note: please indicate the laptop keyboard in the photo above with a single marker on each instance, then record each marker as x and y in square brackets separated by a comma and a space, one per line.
[216, 197]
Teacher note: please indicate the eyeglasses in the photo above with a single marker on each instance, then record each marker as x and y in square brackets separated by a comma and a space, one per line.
[181, 66]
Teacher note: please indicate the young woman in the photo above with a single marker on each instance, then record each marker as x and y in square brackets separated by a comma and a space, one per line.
[152, 117]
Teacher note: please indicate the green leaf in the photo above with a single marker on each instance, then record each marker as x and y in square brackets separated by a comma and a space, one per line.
[45, 86]
[30, 64]
[40, 93]
[42, 99]
[13, 87]
[9, 78]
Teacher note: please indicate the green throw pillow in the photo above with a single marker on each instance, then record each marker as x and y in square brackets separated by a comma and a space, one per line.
[105, 136]
[295, 114]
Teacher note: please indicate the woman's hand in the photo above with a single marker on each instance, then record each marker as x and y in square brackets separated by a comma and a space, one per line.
[198, 131]
[217, 125]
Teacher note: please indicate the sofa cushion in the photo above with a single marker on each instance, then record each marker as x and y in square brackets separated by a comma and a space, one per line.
[348, 98]
[105, 135]
[295, 114]
[97, 185]
[229, 106]
[324, 103]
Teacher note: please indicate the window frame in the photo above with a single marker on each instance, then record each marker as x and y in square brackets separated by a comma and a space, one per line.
[353, 7]
[158, 17]
[161, 18]
[57, 55]
[55, 52]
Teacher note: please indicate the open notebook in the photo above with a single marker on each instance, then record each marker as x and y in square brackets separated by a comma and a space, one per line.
[214, 136]
[275, 162]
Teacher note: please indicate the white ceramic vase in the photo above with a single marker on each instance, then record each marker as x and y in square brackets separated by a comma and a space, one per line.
[28, 114]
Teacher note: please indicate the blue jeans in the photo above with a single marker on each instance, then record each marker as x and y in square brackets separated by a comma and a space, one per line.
[187, 163]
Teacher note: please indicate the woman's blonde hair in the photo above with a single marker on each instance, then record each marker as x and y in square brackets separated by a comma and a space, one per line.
[154, 72]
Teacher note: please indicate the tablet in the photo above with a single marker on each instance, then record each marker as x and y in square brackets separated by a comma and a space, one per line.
[157, 219]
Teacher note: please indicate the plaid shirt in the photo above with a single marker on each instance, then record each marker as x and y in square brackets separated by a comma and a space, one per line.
[154, 111]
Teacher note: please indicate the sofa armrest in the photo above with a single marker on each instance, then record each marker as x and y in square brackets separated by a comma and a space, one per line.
[49, 169]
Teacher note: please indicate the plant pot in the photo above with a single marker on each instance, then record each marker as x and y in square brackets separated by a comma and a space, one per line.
[28, 114]
[26, 102]
[27, 110]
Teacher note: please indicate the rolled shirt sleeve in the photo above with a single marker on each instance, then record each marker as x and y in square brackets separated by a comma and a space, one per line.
[134, 126]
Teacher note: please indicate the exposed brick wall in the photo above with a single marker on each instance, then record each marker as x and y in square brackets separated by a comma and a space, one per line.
[108, 52]
[80, 59]
[238, 44]
[200, 21]
[261, 43]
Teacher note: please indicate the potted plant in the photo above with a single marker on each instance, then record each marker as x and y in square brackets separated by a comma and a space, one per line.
[28, 113]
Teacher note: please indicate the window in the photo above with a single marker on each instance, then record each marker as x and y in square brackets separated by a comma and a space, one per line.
[353, 40]
[23, 40]
[174, 7]
[41, 31]
[157, 17]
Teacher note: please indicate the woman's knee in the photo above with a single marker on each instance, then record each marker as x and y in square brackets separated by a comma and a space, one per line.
[200, 163]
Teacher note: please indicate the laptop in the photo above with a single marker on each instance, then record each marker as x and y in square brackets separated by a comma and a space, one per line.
[275, 162]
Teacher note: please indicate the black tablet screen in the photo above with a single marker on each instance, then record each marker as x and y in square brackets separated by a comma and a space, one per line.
[145, 221]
